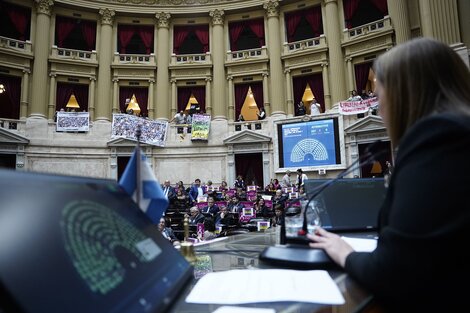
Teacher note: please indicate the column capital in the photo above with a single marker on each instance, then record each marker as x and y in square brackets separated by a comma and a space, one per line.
[208, 79]
[107, 16]
[26, 71]
[92, 78]
[115, 80]
[44, 6]
[272, 8]
[324, 64]
[152, 81]
[229, 77]
[287, 71]
[217, 17]
[348, 59]
[173, 81]
[163, 19]
[52, 74]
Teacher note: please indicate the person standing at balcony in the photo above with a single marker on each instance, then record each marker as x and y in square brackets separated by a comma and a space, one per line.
[179, 118]
[315, 107]
[261, 114]
[301, 108]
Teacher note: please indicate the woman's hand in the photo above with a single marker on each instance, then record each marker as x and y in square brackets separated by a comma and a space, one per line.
[334, 245]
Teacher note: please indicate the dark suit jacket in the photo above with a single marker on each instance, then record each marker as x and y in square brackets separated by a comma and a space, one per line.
[212, 210]
[193, 193]
[424, 222]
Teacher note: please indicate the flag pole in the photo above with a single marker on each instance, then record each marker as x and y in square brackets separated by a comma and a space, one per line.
[137, 164]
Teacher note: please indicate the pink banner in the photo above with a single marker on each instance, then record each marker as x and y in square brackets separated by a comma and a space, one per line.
[356, 107]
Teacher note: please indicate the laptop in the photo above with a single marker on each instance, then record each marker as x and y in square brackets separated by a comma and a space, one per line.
[74, 244]
[348, 204]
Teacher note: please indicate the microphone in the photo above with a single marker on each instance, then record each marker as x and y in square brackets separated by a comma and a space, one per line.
[371, 153]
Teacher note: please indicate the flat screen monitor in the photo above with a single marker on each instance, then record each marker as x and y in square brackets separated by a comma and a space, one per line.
[310, 143]
[348, 204]
[71, 244]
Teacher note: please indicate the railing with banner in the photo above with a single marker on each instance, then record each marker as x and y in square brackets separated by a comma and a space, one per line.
[200, 127]
[73, 121]
[153, 132]
[356, 107]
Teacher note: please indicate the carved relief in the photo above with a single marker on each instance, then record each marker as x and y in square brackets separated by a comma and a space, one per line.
[107, 16]
[272, 8]
[44, 6]
[217, 17]
[163, 19]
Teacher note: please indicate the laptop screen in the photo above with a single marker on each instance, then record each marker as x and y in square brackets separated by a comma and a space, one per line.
[348, 204]
[70, 244]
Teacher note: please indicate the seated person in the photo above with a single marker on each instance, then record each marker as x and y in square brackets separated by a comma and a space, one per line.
[224, 218]
[278, 215]
[209, 230]
[262, 210]
[167, 232]
[241, 194]
[211, 208]
[279, 198]
[195, 216]
[234, 206]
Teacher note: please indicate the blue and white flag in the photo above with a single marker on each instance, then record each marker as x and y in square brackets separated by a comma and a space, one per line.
[152, 200]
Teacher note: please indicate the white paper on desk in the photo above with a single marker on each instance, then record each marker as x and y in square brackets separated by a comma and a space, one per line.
[239, 309]
[361, 244]
[265, 285]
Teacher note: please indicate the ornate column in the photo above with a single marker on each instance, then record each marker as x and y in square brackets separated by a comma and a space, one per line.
[174, 98]
[116, 105]
[289, 100]
[333, 30]
[208, 96]
[218, 66]
[91, 98]
[52, 96]
[41, 56]
[326, 86]
[267, 104]
[163, 59]
[231, 105]
[151, 99]
[275, 63]
[350, 75]
[398, 11]
[440, 20]
[105, 53]
[24, 94]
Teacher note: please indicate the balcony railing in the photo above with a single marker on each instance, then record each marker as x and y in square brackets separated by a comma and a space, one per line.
[258, 53]
[73, 54]
[306, 44]
[10, 123]
[377, 26]
[200, 58]
[134, 59]
[18, 45]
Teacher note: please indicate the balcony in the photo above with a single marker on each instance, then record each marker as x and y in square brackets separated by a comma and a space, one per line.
[249, 54]
[73, 55]
[368, 30]
[191, 59]
[305, 45]
[134, 59]
[11, 124]
[16, 45]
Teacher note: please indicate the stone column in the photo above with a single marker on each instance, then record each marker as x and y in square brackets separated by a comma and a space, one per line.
[91, 98]
[349, 66]
[151, 99]
[218, 67]
[105, 56]
[267, 104]
[440, 20]
[398, 11]
[326, 86]
[231, 104]
[174, 98]
[208, 96]
[337, 73]
[24, 94]
[116, 104]
[163, 59]
[41, 56]
[290, 101]
[275, 64]
[52, 96]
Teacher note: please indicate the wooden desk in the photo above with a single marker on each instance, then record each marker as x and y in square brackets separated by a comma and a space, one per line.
[241, 252]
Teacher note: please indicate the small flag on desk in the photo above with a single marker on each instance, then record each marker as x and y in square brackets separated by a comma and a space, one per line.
[152, 200]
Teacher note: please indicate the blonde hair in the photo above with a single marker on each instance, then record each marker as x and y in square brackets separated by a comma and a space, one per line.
[421, 77]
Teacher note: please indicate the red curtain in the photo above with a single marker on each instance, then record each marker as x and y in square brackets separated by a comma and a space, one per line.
[315, 82]
[361, 71]
[200, 95]
[125, 33]
[184, 93]
[65, 90]
[314, 18]
[141, 94]
[180, 34]
[240, 95]
[146, 34]
[19, 17]
[257, 27]
[89, 33]
[202, 33]
[257, 89]
[64, 27]
[350, 7]
[235, 29]
[183, 97]
[12, 94]
[292, 22]
[381, 5]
